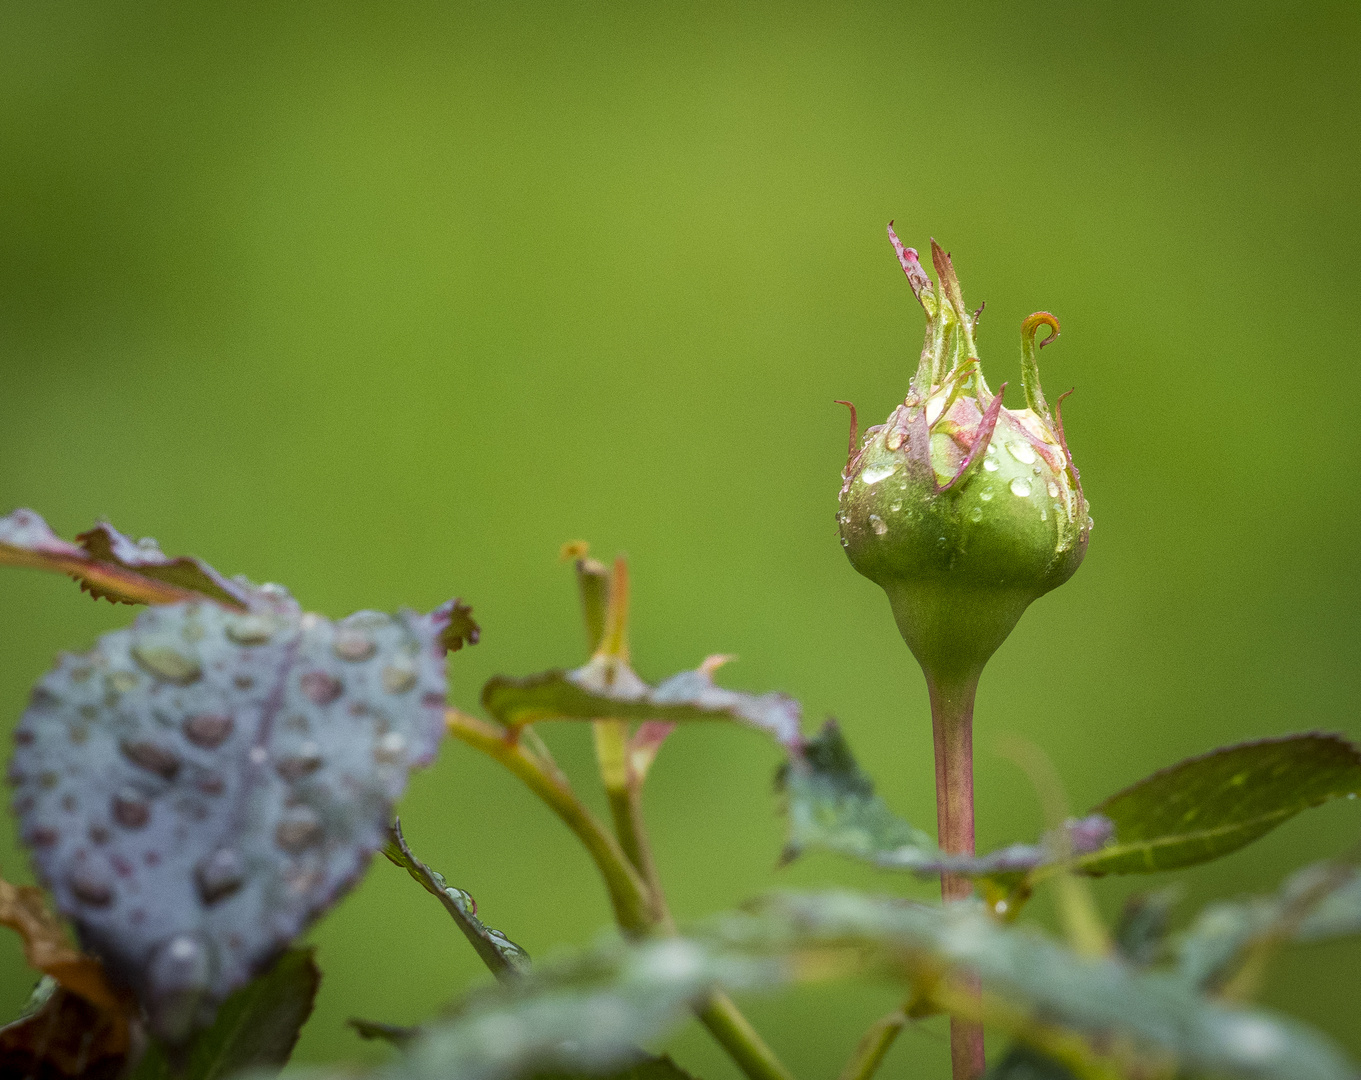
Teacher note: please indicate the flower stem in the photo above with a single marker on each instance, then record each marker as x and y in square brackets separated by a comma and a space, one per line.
[952, 704]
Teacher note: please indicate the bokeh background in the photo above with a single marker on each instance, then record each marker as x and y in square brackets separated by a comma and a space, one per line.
[387, 301]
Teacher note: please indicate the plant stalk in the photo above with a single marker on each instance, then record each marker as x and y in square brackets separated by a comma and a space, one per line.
[628, 893]
[638, 907]
[952, 704]
[623, 792]
[744, 1044]
[873, 1046]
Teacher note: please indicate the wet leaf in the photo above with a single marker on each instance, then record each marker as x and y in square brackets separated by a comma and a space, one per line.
[1211, 805]
[502, 956]
[585, 1013]
[199, 787]
[256, 1028]
[832, 804]
[608, 687]
[108, 564]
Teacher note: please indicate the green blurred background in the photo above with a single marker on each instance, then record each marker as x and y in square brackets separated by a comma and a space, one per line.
[386, 301]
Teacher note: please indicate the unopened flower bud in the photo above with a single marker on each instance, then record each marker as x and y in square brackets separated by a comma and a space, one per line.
[962, 510]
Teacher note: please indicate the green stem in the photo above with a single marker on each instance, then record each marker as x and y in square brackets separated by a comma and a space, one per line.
[952, 704]
[744, 1045]
[873, 1045]
[622, 791]
[719, 1014]
[628, 893]
[637, 908]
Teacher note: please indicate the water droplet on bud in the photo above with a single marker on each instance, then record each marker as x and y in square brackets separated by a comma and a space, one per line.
[1022, 452]
[875, 473]
[877, 523]
[1020, 487]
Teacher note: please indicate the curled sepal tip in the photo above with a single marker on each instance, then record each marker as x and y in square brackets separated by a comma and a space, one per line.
[1030, 369]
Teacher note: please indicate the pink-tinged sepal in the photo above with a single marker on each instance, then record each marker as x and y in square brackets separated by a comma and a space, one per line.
[982, 439]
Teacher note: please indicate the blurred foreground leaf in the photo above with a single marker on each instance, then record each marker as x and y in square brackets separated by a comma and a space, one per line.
[256, 1028]
[198, 788]
[832, 804]
[110, 565]
[1211, 805]
[586, 1013]
[502, 956]
[608, 687]
[649, 1068]
[1141, 933]
[1317, 903]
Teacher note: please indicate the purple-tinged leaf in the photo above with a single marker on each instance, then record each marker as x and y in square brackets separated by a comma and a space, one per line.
[199, 787]
[460, 629]
[1210, 805]
[107, 564]
[608, 687]
[503, 957]
[832, 805]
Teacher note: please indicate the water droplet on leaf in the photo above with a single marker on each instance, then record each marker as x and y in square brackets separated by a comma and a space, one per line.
[167, 662]
[207, 730]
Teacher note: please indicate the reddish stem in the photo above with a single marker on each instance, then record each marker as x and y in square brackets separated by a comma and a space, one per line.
[952, 726]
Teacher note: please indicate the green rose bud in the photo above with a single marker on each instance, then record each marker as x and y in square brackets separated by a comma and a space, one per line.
[961, 510]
